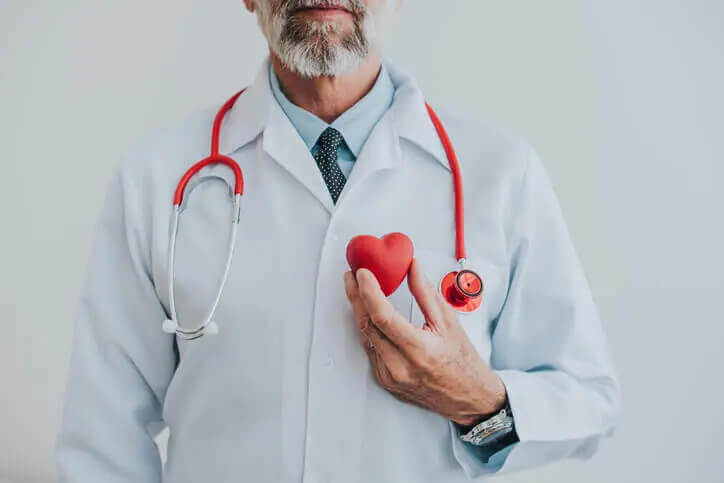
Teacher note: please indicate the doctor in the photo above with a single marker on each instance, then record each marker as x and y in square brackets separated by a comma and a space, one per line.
[315, 376]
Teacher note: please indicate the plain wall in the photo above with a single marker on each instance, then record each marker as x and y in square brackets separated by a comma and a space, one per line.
[623, 100]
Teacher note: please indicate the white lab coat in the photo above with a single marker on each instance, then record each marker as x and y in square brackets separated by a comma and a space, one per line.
[284, 392]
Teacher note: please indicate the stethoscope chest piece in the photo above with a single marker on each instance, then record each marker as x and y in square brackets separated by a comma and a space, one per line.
[463, 290]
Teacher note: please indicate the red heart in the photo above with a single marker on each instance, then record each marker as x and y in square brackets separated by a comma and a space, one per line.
[388, 258]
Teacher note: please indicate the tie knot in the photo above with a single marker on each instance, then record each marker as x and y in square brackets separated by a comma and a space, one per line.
[330, 139]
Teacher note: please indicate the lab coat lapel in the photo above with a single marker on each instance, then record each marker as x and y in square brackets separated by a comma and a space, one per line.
[380, 152]
[411, 118]
[407, 118]
[257, 111]
[248, 116]
[284, 144]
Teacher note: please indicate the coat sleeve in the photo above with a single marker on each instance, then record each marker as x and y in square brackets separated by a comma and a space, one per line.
[548, 345]
[121, 361]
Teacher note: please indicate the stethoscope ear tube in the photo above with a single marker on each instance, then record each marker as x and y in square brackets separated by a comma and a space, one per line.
[208, 326]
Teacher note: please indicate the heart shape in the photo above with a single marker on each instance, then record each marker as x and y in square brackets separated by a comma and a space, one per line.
[388, 258]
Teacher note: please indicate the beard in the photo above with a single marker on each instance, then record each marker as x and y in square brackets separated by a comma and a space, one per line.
[314, 48]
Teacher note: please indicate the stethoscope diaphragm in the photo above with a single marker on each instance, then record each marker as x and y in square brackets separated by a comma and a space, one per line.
[463, 289]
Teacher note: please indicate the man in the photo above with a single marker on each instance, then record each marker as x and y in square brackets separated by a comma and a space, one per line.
[315, 375]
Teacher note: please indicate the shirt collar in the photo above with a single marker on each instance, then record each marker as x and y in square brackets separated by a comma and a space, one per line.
[355, 124]
[249, 115]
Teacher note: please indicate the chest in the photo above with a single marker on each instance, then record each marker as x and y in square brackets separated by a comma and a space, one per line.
[285, 285]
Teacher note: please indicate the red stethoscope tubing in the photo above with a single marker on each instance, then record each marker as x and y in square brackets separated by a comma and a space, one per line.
[457, 183]
[216, 157]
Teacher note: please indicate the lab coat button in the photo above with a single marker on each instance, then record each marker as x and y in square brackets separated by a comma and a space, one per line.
[329, 362]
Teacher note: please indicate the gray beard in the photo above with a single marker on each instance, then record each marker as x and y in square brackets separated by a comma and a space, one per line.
[305, 47]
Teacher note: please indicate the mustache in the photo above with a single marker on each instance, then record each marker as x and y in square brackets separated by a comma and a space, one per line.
[355, 7]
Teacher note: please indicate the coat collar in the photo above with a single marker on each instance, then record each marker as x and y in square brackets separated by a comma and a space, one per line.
[411, 117]
[250, 114]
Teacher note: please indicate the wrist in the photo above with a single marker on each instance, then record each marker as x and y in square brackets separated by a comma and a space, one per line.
[491, 399]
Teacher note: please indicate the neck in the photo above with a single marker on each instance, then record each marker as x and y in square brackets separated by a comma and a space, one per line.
[327, 97]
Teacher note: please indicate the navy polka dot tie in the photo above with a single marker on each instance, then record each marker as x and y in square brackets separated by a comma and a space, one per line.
[326, 157]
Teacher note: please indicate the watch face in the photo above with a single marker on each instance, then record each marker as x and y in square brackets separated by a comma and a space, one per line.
[491, 430]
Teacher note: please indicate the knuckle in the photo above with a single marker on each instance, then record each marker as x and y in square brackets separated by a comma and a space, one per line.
[424, 360]
[384, 379]
[387, 379]
[365, 290]
[363, 322]
[380, 318]
[417, 359]
[380, 379]
[400, 374]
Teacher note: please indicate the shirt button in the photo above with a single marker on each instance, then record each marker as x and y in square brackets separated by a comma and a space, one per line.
[329, 362]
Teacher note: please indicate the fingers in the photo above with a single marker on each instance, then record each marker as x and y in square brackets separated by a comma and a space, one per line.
[371, 334]
[383, 314]
[358, 307]
[381, 345]
[426, 296]
[376, 362]
[378, 366]
[390, 366]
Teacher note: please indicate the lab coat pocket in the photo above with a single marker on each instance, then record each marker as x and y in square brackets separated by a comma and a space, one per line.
[436, 265]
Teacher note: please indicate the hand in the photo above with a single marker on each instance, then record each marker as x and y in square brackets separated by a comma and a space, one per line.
[436, 366]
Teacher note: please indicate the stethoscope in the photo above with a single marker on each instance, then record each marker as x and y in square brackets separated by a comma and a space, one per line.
[462, 289]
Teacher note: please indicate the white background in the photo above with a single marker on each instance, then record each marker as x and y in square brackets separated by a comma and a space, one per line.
[623, 99]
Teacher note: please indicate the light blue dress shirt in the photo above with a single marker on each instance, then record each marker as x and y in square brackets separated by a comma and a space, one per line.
[355, 124]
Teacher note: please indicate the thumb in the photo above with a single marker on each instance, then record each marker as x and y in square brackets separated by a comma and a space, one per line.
[426, 296]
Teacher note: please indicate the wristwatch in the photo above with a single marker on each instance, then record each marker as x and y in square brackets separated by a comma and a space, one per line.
[498, 428]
